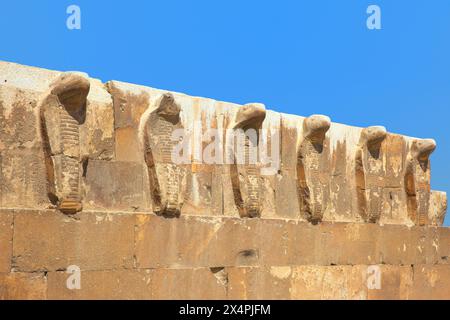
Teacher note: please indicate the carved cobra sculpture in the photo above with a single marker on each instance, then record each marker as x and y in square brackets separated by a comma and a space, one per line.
[417, 180]
[313, 168]
[245, 174]
[62, 112]
[165, 176]
[369, 173]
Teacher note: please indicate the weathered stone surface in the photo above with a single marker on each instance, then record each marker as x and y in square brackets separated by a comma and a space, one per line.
[271, 283]
[195, 242]
[369, 173]
[23, 286]
[189, 284]
[313, 168]
[22, 89]
[215, 242]
[23, 179]
[400, 245]
[339, 282]
[347, 244]
[280, 282]
[329, 283]
[62, 112]
[97, 134]
[306, 209]
[127, 145]
[271, 168]
[395, 283]
[115, 184]
[342, 205]
[245, 173]
[50, 241]
[158, 284]
[6, 236]
[284, 183]
[229, 206]
[102, 285]
[205, 177]
[430, 282]
[25, 90]
[437, 208]
[417, 180]
[130, 103]
[166, 176]
[115, 125]
[394, 197]
[286, 179]
[442, 242]
[18, 118]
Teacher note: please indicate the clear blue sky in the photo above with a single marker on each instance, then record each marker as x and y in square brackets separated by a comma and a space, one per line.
[299, 57]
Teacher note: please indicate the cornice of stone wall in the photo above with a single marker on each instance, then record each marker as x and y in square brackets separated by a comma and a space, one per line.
[72, 143]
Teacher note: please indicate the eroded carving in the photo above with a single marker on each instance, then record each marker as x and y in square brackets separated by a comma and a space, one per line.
[369, 173]
[313, 168]
[417, 180]
[383, 177]
[165, 176]
[438, 208]
[62, 112]
[245, 174]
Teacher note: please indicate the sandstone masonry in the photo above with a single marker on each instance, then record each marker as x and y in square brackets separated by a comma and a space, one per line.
[88, 179]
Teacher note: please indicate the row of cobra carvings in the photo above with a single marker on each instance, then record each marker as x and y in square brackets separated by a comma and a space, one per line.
[64, 109]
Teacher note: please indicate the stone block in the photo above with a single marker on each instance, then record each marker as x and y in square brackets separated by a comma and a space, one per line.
[438, 208]
[6, 235]
[346, 244]
[443, 245]
[286, 199]
[218, 242]
[401, 245]
[97, 133]
[23, 181]
[269, 283]
[430, 282]
[130, 102]
[18, 116]
[328, 283]
[102, 285]
[115, 185]
[127, 145]
[50, 241]
[190, 242]
[23, 286]
[189, 284]
[395, 283]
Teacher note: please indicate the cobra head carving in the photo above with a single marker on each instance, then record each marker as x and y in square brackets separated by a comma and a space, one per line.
[168, 108]
[417, 180]
[72, 90]
[62, 113]
[313, 168]
[315, 128]
[369, 195]
[245, 179]
[165, 177]
[421, 149]
[251, 115]
[372, 137]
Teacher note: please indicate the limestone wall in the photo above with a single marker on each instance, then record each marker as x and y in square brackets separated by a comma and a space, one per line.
[114, 175]
[86, 179]
[141, 256]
